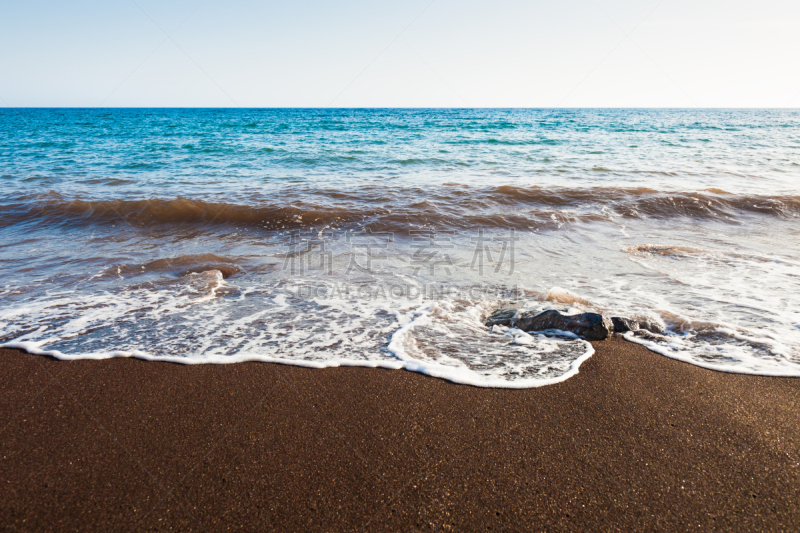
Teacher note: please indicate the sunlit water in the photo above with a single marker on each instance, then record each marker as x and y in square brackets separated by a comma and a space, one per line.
[385, 237]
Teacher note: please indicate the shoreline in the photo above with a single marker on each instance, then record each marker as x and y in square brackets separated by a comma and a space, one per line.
[634, 440]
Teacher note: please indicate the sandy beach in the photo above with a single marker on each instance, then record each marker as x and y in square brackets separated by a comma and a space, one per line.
[634, 441]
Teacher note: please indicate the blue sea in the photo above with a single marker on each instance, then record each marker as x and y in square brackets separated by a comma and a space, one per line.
[385, 237]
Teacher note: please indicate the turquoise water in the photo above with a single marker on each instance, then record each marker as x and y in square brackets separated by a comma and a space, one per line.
[383, 237]
[205, 151]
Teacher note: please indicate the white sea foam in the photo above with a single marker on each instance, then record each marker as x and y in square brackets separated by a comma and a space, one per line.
[728, 311]
[711, 314]
[190, 317]
[448, 339]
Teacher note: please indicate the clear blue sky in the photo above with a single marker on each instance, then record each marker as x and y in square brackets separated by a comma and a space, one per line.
[499, 53]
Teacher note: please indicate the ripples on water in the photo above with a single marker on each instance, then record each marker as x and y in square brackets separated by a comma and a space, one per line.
[384, 237]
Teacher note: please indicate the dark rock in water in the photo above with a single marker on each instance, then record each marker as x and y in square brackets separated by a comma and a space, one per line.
[590, 326]
[623, 324]
[503, 315]
[651, 325]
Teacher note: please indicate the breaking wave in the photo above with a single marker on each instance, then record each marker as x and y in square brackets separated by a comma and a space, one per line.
[398, 209]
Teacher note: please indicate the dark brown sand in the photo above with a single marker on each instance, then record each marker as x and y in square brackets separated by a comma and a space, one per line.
[635, 441]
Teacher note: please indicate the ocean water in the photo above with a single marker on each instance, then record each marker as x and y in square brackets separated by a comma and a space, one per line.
[384, 238]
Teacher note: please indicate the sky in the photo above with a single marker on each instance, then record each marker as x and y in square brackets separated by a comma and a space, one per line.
[414, 53]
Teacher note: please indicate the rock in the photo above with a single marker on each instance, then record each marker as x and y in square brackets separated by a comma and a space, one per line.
[590, 326]
[623, 324]
[651, 325]
[503, 315]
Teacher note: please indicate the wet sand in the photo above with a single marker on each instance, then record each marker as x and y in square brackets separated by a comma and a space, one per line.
[634, 441]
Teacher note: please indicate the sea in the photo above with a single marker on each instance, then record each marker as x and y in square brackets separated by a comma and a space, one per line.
[385, 237]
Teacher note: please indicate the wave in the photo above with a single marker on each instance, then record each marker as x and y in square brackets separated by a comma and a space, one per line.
[181, 265]
[158, 211]
[402, 209]
[642, 201]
